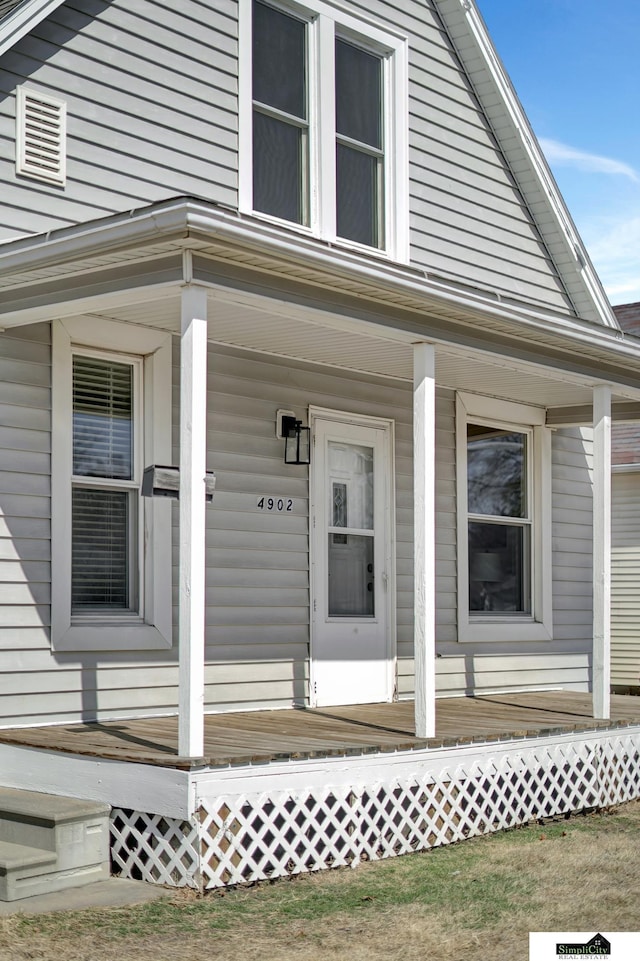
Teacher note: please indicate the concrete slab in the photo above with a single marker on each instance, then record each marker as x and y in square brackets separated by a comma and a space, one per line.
[113, 893]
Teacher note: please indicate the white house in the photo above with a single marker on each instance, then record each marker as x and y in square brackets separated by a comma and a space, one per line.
[220, 215]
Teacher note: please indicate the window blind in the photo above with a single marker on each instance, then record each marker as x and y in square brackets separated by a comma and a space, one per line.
[100, 550]
[102, 418]
[103, 516]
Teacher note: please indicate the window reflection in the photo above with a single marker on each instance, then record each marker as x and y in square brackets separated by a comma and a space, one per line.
[500, 548]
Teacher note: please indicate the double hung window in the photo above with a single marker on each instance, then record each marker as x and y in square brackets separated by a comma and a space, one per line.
[359, 145]
[105, 483]
[323, 123]
[504, 519]
[280, 115]
[499, 524]
[111, 550]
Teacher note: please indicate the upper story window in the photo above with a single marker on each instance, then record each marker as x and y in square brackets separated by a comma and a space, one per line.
[323, 124]
[359, 145]
[280, 115]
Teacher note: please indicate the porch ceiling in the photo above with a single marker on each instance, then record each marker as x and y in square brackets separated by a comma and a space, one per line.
[286, 330]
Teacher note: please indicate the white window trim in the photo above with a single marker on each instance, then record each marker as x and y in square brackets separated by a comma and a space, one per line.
[152, 630]
[538, 627]
[325, 22]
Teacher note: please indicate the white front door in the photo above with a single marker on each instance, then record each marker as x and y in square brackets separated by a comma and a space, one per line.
[351, 509]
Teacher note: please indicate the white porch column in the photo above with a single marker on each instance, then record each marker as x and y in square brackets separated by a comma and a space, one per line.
[193, 442]
[424, 503]
[601, 551]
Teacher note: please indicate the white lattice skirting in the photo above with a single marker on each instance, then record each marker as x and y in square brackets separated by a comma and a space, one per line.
[237, 838]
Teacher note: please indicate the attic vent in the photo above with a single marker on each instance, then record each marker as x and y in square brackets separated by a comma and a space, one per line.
[40, 136]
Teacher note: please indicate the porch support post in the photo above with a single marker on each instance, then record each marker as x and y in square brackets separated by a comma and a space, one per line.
[193, 441]
[601, 551]
[424, 449]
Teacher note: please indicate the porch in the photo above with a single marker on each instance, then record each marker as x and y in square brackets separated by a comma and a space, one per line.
[262, 737]
[283, 792]
[243, 325]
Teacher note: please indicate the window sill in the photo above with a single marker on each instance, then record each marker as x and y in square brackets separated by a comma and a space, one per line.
[379, 253]
[498, 630]
[112, 637]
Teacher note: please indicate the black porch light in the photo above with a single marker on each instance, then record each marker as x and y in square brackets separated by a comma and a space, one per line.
[297, 444]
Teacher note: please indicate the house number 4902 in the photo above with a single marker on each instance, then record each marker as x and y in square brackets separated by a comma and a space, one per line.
[279, 504]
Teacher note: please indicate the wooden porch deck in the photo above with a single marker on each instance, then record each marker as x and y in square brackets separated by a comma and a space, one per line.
[263, 736]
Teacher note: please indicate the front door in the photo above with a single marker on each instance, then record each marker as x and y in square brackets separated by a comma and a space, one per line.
[351, 644]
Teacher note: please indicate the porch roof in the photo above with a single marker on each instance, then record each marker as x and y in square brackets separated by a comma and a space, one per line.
[273, 291]
[260, 737]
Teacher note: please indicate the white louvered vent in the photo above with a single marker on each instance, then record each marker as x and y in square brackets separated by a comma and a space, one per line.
[40, 136]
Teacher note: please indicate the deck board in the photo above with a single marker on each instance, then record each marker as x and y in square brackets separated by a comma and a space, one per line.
[247, 737]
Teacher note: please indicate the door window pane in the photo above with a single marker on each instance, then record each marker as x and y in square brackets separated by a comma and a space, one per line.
[279, 60]
[278, 168]
[100, 550]
[102, 418]
[499, 574]
[496, 471]
[357, 196]
[351, 473]
[351, 582]
[358, 94]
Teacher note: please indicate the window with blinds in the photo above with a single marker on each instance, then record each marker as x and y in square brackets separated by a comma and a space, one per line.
[104, 487]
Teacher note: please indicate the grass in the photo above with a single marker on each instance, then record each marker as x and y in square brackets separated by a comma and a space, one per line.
[581, 874]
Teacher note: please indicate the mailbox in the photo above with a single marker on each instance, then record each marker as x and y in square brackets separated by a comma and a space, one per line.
[160, 481]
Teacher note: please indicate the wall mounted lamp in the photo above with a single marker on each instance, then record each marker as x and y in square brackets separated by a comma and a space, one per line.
[297, 439]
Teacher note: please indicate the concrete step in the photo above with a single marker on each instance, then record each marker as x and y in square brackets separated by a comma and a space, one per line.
[22, 857]
[49, 843]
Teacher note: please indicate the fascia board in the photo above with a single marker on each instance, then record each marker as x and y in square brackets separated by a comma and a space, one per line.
[474, 46]
[22, 19]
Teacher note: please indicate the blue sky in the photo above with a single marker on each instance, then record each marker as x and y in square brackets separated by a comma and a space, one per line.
[575, 65]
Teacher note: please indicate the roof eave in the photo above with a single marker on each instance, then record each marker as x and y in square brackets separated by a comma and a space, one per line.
[22, 19]
[471, 39]
[185, 220]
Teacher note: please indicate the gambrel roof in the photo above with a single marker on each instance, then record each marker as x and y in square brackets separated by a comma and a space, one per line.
[509, 126]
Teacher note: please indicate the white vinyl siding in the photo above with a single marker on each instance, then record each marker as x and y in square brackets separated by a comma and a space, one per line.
[625, 579]
[257, 561]
[257, 574]
[144, 127]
